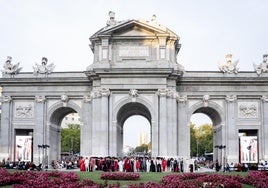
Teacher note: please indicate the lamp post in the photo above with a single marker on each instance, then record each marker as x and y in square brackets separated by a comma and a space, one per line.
[44, 154]
[197, 148]
[39, 147]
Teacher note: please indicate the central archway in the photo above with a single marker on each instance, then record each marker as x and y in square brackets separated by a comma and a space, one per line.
[126, 111]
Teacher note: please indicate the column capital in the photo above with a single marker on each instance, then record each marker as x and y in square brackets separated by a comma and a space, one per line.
[87, 98]
[264, 98]
[230, 98]
[5, 98]
[40, 99]
[181, 98]
[104, 92]
[172, 93]
[162, 92]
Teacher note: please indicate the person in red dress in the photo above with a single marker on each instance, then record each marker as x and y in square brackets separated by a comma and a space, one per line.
[164, 164]
[82, 164]
[138, 164]
[127, 165]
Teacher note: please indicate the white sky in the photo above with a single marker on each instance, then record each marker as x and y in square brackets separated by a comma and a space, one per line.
[60, 30]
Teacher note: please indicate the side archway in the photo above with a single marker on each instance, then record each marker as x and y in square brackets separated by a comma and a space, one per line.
[216, 113]
[56, 113]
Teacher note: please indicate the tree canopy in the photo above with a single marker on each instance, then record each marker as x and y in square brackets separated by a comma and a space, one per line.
[70, 138]
[201, 139]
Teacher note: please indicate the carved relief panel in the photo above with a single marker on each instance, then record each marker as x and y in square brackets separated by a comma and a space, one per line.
[248, 110]
[24, 110]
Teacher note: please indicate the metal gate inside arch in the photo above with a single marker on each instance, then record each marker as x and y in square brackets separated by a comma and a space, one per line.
[135, 71]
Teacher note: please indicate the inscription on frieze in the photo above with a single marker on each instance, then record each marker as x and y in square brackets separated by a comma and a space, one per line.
[133, 51]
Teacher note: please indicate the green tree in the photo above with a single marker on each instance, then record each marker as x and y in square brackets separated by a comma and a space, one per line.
[142, 148]
[70, 138]
[201, 139]
[193, 146]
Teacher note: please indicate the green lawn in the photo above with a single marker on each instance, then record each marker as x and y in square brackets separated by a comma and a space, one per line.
[145, 177]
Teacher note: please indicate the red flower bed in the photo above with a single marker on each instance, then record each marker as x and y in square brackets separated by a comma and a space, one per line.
[44, 179]
[120, 176]
[57, 179]
[194, 180]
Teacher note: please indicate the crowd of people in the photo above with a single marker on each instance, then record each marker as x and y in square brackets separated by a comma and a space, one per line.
[20, 165]
[131, 164]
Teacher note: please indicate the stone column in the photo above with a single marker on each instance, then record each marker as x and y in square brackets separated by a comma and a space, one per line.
[96, 123]
[172, 123]
[115, 146]
[86, 128]
[104, 128]
[163, 144]
[5, 128]
[183, 128]
[39, 130]
[264, 127]
[232, 148]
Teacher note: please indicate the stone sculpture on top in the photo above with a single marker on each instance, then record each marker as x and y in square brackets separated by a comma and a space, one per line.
[263, 67]
[229, 66]
[9, 68]
[44, 68]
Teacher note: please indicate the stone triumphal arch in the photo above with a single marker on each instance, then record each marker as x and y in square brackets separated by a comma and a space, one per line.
[134, 72]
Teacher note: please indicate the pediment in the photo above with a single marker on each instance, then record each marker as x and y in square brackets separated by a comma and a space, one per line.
[134, 28]
[134, 31]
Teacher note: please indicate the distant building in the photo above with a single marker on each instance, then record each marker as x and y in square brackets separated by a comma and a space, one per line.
[143, 138]
[72, 118]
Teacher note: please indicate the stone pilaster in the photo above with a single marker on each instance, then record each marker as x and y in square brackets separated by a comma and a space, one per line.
[265, 127]
[232, 132]
[96, 118]
[86, 128]
[115, 140]
[183, 128]
[5, 131]
[39, 134]
[163, 137]
[105, 120]
[172, 122]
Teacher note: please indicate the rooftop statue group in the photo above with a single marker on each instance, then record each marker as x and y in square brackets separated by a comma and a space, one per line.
[231, 66]
[13, 69]
[45, 68]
